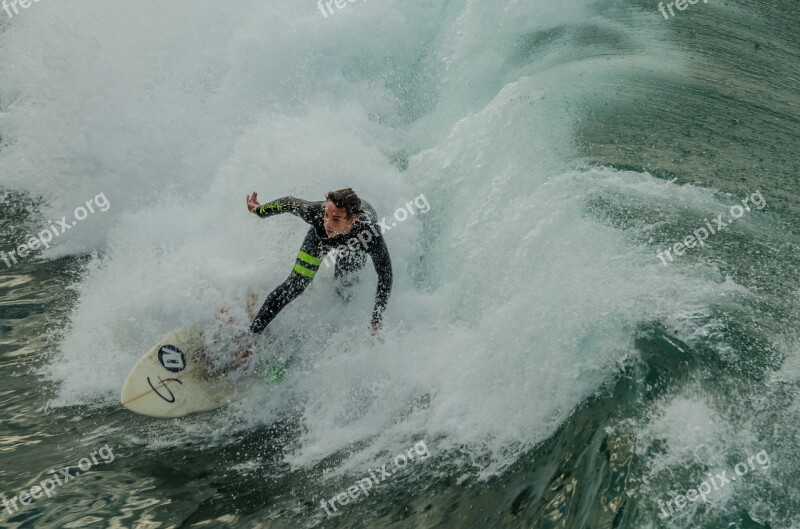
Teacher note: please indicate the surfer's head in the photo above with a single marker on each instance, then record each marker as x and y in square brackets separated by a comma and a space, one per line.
[342, 209]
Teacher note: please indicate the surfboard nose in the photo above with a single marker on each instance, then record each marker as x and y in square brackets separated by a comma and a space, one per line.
[172, 379]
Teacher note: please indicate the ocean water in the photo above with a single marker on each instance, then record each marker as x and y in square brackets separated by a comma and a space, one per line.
[545, 362]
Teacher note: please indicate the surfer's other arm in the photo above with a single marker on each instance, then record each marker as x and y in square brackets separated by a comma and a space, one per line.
[296, 206]
[383, 267]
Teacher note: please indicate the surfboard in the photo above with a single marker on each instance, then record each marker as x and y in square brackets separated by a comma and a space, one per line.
[174, 379]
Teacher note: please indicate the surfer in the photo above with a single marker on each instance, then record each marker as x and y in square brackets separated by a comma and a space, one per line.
[341, 222]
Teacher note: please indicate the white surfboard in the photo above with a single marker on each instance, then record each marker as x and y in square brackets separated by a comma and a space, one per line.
[173, 380]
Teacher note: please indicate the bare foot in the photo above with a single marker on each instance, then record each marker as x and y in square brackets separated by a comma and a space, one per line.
[252, 301]
[243, 340]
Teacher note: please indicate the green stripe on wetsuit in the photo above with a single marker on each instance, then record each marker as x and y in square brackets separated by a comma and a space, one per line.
[307, 265]
[276, 205]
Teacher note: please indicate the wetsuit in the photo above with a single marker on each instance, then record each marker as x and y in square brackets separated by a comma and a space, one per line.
[352, 249]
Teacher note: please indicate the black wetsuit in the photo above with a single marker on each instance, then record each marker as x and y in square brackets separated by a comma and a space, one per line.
[364, 238]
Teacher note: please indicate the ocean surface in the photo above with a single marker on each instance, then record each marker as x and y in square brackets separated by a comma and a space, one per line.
[594, 322]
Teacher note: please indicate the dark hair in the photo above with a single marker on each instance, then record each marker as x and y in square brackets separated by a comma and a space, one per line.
[347, 200]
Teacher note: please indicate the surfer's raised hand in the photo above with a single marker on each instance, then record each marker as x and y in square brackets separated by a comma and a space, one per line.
[252, 202]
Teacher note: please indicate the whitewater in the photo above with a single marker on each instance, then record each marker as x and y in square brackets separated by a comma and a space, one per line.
[558, 373]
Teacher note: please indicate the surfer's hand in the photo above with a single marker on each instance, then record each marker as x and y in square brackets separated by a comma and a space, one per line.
[252, 202]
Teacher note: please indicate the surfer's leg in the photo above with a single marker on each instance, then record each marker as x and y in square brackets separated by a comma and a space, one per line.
[305, 268]
[348, 267]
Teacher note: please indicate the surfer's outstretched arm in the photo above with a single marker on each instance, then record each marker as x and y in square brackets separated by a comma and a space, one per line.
[304, 209]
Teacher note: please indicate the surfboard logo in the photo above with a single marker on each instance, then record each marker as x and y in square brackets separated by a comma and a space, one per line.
[172, 358]
[163, 383]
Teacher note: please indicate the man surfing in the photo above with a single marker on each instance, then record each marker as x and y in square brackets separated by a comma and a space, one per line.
[343, 222]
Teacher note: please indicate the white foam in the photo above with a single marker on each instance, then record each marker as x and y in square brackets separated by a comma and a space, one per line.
[511, 303]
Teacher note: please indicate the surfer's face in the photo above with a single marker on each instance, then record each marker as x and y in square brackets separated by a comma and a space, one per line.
[336, 221]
